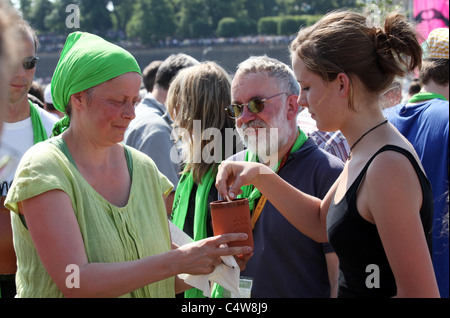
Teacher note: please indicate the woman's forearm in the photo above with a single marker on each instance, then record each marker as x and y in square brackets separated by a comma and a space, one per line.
[301, 210]
[305, 212]
[116, 279]
[109, 280]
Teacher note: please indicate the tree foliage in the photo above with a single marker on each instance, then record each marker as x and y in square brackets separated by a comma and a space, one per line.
[152, 21]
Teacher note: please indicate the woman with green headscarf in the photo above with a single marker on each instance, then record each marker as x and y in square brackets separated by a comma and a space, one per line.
[89, 217]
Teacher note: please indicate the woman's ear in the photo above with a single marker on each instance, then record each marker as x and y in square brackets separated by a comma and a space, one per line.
[345, 85]
[293, 107]
[77, 100]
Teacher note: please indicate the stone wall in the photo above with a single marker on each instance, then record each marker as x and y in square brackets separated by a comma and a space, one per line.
[227, 56]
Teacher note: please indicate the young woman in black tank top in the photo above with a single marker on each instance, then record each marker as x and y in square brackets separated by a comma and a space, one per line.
[378, 214]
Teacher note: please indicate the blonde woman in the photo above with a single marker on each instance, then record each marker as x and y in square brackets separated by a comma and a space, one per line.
[196, 101]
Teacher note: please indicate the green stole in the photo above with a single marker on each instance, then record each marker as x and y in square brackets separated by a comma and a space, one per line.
[180, 208]
[39, 132]
[425, 96]
[181, 202]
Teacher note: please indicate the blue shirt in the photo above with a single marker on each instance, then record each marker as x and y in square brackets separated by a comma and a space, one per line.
[426, 126]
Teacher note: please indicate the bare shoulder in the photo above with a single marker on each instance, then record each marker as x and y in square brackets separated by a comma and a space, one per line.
[392, 167]
[394, 184]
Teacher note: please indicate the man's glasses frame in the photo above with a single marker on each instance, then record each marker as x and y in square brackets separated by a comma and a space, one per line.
[29, 63]
[255, 106]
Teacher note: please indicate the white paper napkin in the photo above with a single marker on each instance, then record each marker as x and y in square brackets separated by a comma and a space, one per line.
[226, 275]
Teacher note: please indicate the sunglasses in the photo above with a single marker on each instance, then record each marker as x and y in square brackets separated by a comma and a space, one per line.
[29, 63]
[255, 106]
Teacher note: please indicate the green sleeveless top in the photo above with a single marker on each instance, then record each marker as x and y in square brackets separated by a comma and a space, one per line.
[110, 233]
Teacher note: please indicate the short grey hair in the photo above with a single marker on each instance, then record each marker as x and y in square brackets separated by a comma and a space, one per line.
[283, 74]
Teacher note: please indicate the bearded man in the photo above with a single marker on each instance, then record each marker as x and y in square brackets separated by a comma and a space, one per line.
[286, 263]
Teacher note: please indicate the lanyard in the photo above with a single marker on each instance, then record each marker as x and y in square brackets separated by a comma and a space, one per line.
[263, 199]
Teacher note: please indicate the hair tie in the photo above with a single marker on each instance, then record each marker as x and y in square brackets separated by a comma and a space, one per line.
[383, 43]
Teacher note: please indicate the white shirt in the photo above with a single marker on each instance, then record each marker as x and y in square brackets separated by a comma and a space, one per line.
[16, 139]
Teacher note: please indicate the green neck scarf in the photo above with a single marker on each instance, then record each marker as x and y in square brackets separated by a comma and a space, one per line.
[250, 192]
[181, 202]
[39, 132]
[425, 96]
[180, 208]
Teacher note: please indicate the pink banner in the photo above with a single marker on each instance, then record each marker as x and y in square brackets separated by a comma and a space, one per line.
[431, 14]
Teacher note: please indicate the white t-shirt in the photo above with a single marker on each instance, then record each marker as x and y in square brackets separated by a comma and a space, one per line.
[16, 139]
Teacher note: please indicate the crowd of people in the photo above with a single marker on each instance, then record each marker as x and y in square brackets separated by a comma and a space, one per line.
[347, 185]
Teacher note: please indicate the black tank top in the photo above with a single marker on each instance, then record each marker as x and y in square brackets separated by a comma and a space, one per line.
[358, 244]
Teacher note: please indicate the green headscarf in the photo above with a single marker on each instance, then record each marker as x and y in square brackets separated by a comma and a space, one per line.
[86, 61]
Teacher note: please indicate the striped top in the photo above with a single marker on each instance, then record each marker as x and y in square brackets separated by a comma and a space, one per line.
[332, 142]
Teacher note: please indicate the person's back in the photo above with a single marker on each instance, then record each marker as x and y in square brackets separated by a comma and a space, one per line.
[151, 133]
[426, 126]
[424, 121]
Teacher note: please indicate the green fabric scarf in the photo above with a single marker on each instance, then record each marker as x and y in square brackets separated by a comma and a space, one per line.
[61, 126]
[86, 61]
[180, 208]
[425, 96]
[39, 132]
[250, 192]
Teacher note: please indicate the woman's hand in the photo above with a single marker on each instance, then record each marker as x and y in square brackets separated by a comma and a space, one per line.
[202, 257]
[231, 176]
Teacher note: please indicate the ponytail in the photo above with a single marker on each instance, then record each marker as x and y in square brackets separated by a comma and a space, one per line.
[397, 46]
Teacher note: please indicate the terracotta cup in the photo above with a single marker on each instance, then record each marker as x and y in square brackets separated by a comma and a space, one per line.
[232, 217]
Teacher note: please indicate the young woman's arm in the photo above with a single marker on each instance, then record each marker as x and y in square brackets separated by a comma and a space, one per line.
[307, 213]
